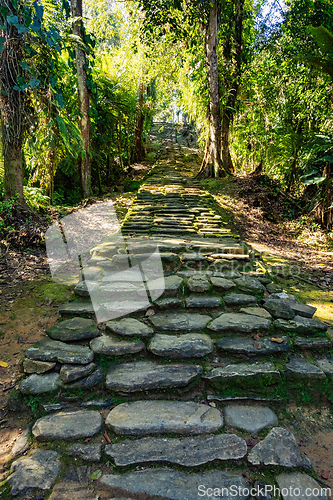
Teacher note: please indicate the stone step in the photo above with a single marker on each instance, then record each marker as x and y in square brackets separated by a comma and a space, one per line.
[250, 347]
[147, 376]
[189, 345]
[243, 375]
[180, 322]
[186, 451]
[167, 484]
[162, 417]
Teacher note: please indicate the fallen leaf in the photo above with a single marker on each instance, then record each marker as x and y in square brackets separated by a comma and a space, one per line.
[256, 336]
[3, 364]
[277, 340]
[107, 437]
[87, 441]
[326, 474]
[257, 346]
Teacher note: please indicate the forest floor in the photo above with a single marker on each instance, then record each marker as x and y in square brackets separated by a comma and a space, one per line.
[298, 252]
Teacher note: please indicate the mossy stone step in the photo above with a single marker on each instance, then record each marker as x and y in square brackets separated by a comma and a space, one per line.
[145, 375]
[167, 484]
[161, 417]
[186, 451]
[239, 323]
[250, 347]
[189, 345]
[180, 322]
[300, 368]
[239, 374]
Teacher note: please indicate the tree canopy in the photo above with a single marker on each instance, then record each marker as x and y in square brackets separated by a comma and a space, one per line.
[87, 81]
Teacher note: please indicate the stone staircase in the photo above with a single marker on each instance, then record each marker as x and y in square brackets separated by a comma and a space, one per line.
[176, 399]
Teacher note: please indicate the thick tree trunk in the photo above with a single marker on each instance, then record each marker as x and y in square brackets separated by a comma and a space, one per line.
[232, 83]
[139, 152]
[14, 110]
[84, 100]
[212, 164]
[13, 163]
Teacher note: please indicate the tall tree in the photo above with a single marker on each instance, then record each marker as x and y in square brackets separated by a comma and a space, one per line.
[27, 52]
[212, 164]
[175, 19]
[84, 97]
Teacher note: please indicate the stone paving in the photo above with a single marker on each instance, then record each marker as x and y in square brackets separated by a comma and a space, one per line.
[169, 400]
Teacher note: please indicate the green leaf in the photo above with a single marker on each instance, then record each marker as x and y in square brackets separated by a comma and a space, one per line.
[21, 28]
[34, 83]
[326, 158]
[11, 19]
[64, 132]
[39, 11]
[24, 66]
[96, 475]
[313, 180]
[60, 100]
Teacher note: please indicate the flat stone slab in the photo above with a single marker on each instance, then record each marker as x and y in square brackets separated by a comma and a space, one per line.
[222, 283]
[22, 443]
[256, 311]
[68, 425]
[54, 350]
[83, 288]
[161, 417]
[168, 303]
[77, 309]
[35, 474]
[87, 382]
[187, 451]
[35, 366]
[180, 322]
[74, 485]
[300, 368]
[197, 301]
[243, 371]
[172, 285]
[279, 309]
[198, 284]
[326, 365]
[87, 452]
[129, 327]
[303, 326]
[113, 346]
[70, 373]
[239, 299]
[292, 484]
[240, 345]
[39, 384]
[173, 485]
[238, 322]
[248, 284]
[315, 343]
[249, 418]
[145, 375]
[73, 329]
[278, 448]
[301, 309]
[190, 345]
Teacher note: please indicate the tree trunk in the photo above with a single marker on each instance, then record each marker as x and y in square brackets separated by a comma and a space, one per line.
[212, 164]
[13, 180]
[139, 152]
[84, 100]
[14, 111]
[232, 84]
